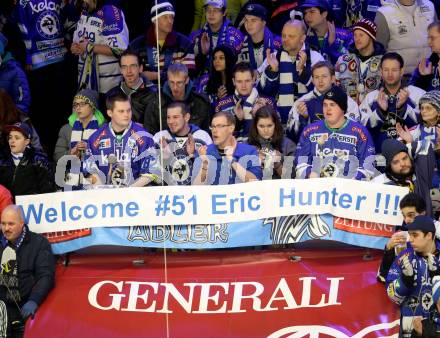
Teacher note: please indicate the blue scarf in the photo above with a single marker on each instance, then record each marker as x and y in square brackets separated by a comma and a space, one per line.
[268, 44]
[17, 244]
[79, 133]
[223, 35]
[223, 39]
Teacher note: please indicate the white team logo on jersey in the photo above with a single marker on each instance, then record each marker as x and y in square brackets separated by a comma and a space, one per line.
[180, 169]
[48, 25]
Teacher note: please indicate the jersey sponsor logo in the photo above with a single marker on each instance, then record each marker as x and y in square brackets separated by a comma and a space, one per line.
[327, 152]
[424, 9]
[346, 57]
[318, 137]
[43, 6]
[48, 25]
[121, 157]
[371, 8]
[310, 129]
[45, 44]
[343, 138]
[91, 36]
[104, 143]
[95, 23]
[113, 28]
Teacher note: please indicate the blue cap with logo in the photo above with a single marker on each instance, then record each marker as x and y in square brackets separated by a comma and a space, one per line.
[323, 4]
[256, 10]
[21, 127]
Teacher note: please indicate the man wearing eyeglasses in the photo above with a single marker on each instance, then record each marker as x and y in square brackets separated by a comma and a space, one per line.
[178, 87]
[226, 161]
[135, 84]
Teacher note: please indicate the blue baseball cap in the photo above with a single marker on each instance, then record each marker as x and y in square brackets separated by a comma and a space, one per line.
[323, 4]
[422, 223]
[22, 127]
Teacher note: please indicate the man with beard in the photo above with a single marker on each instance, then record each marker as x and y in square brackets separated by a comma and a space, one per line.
[383, 108]
[411, 166]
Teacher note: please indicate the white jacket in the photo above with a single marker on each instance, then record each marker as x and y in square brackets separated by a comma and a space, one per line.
[408, 35]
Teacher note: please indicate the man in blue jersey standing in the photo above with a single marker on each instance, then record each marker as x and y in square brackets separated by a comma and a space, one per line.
[335, 146]
[121, 152]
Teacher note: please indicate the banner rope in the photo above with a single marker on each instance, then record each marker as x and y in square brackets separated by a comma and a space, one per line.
[159, 91]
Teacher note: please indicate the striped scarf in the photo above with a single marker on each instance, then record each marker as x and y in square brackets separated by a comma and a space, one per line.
[247, 49]
[247, 102]
[79, 133]
[289, 87]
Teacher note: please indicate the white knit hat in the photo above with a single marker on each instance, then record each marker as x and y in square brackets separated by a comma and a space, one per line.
[161, 8]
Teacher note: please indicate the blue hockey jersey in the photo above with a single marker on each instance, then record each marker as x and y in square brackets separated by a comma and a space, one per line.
[128, 156]
[416, 301]
[180, 165]
[41, 26]
[343, 152]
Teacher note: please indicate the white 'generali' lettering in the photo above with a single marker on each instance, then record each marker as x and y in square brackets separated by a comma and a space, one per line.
[205, 298]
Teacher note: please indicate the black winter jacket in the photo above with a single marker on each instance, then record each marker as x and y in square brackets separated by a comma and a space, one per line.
[36, 269]
[31, 176]
[199, 107]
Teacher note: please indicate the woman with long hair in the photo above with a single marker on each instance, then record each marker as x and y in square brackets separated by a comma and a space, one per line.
[266, 133]
[218, 82]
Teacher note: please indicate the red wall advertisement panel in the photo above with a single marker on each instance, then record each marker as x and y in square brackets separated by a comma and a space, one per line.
[319, 293]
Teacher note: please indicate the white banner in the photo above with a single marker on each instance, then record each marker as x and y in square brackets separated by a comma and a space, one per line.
[176, 205]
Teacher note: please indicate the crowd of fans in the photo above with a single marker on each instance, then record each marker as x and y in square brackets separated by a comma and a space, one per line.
[102, 93]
